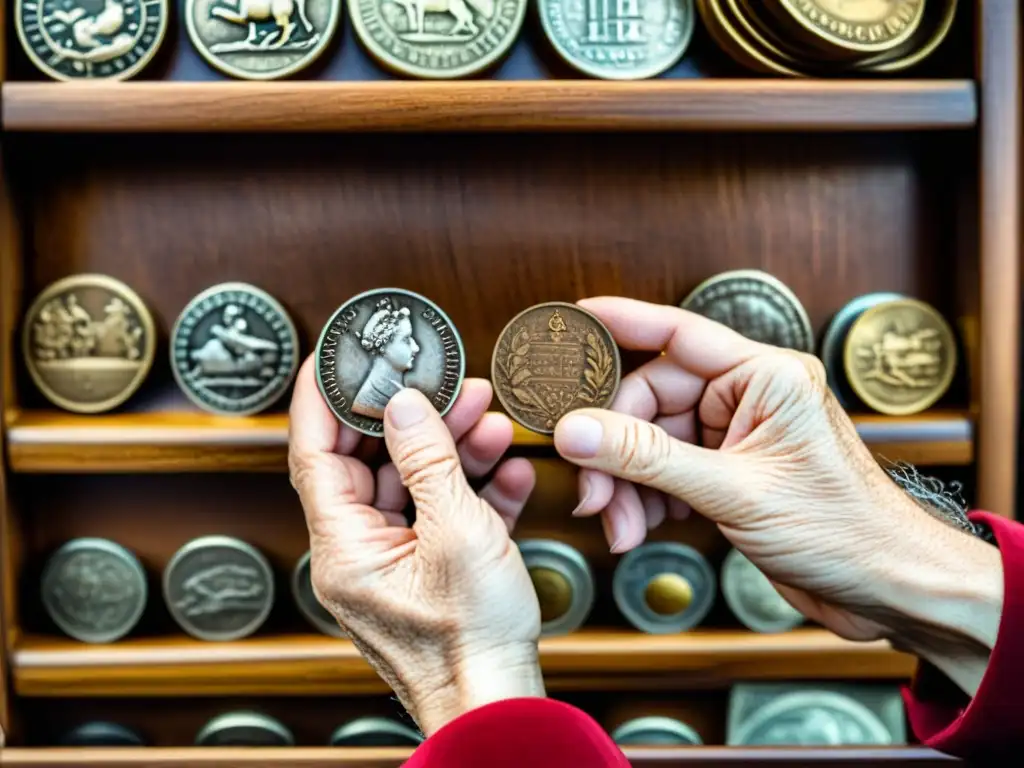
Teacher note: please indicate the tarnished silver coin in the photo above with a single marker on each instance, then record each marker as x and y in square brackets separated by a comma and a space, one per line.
[664, 587]
[619, 39]
[244, 729]
[755, 304]
[752, 598]
[218, 588]
[655, 731]
[379, 342]
[234, 350]
[305, 599]
[563, 581]
[94, 590]
[102, 734]
[375, 732]
[812, 718]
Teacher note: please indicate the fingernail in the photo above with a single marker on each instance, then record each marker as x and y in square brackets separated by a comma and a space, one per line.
[615, 528]
[406, 409]
[579, 437]
[584, 500]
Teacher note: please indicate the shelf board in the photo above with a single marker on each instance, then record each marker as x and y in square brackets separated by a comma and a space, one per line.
[46, 441]
[544, 105]
[313, 665]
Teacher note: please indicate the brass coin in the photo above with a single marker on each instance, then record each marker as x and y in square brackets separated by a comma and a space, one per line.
[861, 26]
[900, 357]
[86, 39]
[668, 593]
[933, 33]
[552, 359]
[554, 592]
[88, 343]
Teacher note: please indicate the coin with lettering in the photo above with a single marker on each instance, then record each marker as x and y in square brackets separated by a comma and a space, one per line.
[858, 26]
[244, 729]
[234, 350]
[755, 304]
[664, 587]
[218, 588]
[380, 341]
[94, 590]
[88, 343]
[305, 599]
[551, 359]
[91, 39]
[261, 39]
[563, 581]
[900, 357]
[812, 718]
[752, 598]
[619, 39]
[655, 730]
[438, 39]
[375, 732]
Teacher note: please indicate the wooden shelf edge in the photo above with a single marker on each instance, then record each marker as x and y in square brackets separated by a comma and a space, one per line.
[41, 442]
[495, 105]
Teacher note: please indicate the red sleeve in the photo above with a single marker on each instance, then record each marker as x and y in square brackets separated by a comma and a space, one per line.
[520, 733]
[941, 715]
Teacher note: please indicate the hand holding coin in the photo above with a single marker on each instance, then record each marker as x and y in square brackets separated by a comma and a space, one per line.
[443, 609]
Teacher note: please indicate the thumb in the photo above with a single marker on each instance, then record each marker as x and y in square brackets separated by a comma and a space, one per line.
[644, 453]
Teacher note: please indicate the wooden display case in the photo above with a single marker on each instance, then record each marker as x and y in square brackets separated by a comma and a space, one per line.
[487, 196]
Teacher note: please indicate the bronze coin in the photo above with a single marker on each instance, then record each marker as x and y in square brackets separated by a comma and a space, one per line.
[551, 359]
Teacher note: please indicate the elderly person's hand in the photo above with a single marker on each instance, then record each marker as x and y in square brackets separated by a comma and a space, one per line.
[750, 436]
[443, 609]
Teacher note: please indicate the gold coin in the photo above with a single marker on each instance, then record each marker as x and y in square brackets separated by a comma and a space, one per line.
[668, 593]
[900, 357]
[933, 33]
[554, 593]
[88, 342]
[724, 32]
[860, 26]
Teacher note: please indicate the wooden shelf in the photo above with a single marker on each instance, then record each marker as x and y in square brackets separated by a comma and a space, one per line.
[43, 441]
[545, 105]
[312, 665]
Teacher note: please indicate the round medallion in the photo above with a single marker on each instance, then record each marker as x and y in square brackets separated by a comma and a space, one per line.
[379, 342]
[375, 732]
[305, 599]
[101, 734]
[564, 584]
[94, 590]
[812, 718]
[752, 597]
[234, 350]
[858, 26]
[655, 731]
[88, 342]
[244, 729]
[664, 587]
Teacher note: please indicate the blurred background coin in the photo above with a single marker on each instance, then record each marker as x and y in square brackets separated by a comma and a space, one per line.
[563, 581]
[654, 731]
[811, 718]
[101, 734]
[88, 342]
[753, 599]
[218, 588]
[94, 590]
[234, 350]
[302, 591]
[244, 729]
[375, 732]
[664, 587]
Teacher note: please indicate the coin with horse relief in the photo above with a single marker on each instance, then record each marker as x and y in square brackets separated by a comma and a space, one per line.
[437, 39]
[261, 39]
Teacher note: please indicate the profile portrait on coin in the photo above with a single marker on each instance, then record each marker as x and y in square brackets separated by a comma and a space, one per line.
[388, 338]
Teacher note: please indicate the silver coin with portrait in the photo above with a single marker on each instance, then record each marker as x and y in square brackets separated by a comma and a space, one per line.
[381, 342]
[752, 597]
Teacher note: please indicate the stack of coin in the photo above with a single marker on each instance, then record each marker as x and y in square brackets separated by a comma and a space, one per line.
[828, 37]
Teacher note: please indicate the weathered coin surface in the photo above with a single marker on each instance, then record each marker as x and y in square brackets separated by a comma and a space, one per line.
[234, 350]
[437, 39]
[863, 26]
[375, 732]
[88, 342]
[900, 357]
[218, 588]
[261, 39]
[305, 599]
[752, 598]
[619, 39]
[551, 359]
[91, 39]
[101, 734]
[664, 587]
[563, 581]
[244, 729]
[755, 304]
[94, 590]
[655, 730]
[812, 718]
[380, 341]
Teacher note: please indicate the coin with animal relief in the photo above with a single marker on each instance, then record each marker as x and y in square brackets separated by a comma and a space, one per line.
[88, 342]
[379, 342]
[552, 359]
[261, 39]
[91, 39]
[234, 350]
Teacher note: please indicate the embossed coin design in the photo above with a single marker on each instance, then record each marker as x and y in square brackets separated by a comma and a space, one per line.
[812, 718]
[619, 39]
[655, 731]
[305, 599]
[664, 587]
[91, 39]
[551, 359]
[860, 26]
[88, 342]
[379, 342]
[752, 598]
[234, 350]
[244, 729]
[218, 588]
[94, 590]
[437, 39]
[375, 732]
[563, 581]
[261, 39]
[756, 305]
[900, 357]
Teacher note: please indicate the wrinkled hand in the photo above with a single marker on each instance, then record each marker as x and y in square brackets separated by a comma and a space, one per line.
[444, 610]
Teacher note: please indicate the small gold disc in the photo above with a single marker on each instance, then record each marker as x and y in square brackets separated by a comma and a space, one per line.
[554, 592]
[668, 593]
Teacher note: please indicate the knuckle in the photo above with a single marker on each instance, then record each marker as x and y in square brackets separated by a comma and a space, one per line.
[644, 451]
